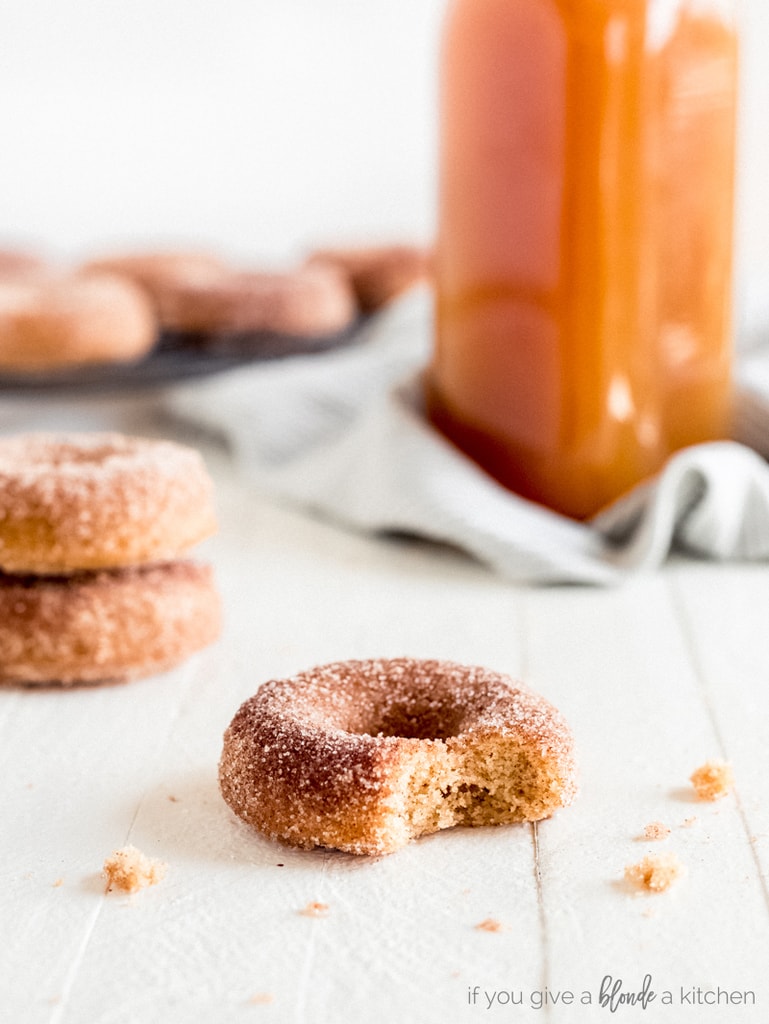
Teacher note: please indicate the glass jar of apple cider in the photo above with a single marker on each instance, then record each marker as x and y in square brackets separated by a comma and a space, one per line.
[584, 256]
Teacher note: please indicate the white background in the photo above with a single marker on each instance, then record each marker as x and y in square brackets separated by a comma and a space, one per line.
[262, 125]
[257, 126]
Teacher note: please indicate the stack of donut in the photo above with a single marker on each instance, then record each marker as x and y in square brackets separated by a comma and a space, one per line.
[93, 583]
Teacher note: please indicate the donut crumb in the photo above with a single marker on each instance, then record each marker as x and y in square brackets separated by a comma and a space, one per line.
[656, 872]
[656, 830]
[489, 925]
[129, 870]
[315, 909]
[712, 780]
[262, 998]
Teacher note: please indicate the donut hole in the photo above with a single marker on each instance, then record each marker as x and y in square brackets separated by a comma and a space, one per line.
[433, 720]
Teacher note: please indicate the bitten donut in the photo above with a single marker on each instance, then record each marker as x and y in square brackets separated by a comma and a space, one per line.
[101, 626]
[378, 274]
[311, 301]
[363, 756]
[48, 323]
[70, 502]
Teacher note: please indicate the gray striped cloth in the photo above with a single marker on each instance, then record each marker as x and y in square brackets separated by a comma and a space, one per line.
[343, 434]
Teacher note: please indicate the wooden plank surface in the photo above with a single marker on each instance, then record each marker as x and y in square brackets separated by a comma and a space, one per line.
[656, 677]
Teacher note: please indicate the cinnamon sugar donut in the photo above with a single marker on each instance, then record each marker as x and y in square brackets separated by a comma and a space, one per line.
[163, 275]
[365, 755]
[378, 273]
[90, 501]
[311, 301]
[50, 322]
[101, 626]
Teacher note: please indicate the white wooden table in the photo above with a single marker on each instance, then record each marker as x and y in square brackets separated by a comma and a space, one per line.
[656, 678]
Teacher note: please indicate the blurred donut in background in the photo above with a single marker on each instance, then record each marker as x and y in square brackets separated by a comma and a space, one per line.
[164, 275]
[309, 301]
[49, 322]
[378, 274]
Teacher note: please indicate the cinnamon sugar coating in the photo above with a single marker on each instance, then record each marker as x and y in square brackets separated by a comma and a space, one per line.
[109, 625]
[365, 755]
[70, 502]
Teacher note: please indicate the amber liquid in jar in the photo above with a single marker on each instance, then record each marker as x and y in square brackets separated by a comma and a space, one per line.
[584, 257]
